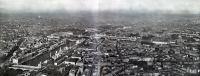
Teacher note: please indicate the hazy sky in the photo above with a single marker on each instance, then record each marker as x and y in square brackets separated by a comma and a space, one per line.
[163, 6]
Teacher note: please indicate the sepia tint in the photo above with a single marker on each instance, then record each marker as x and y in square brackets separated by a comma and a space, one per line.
[99, 37]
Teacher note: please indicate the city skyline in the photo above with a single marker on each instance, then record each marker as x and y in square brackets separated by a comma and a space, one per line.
[99, 38]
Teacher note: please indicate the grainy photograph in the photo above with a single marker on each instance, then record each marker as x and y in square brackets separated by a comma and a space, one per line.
[99, 37]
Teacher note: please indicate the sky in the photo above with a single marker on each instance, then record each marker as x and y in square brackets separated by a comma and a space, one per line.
[159, 6]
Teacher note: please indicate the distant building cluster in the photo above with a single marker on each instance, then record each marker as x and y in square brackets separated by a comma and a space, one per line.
[101, 50]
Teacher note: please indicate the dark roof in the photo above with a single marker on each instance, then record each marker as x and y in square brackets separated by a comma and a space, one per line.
[72, 59]
[61, 60]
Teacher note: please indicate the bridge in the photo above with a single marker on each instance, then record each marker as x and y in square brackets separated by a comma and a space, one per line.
[115, 37]
[25, 67]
